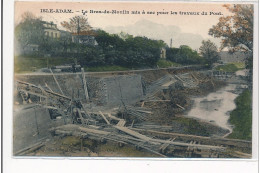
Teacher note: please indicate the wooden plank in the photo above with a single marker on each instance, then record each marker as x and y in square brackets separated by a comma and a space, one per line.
[168, 83]
[133, 133]
[180, 106]
[85, 84]
[48, 87]
[121, 123]
[98, 132]
[56, 81]
[226, 141]
[190, 145]
[241, 155]
[195, 78]
[33, 93]
[148, 112]
[179, 78]
[30, 149]
[83, 121]
[50, 92]
[103, 116]
[132, 123]
[165, 145]
[113, 117]
[157, 101]
[23, 94]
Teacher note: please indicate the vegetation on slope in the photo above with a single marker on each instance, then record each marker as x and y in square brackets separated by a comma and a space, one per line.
[241, 117]
[165, 64]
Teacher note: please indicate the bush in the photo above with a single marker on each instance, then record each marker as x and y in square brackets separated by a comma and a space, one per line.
[227, 68]
[184, 55]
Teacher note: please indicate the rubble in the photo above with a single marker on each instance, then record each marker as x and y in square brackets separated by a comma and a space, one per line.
[124, 109]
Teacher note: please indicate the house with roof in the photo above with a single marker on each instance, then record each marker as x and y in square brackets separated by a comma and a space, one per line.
[51, 30]
[85, 37]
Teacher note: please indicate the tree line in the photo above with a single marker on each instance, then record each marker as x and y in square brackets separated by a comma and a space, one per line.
[129, 51]
[113, 49]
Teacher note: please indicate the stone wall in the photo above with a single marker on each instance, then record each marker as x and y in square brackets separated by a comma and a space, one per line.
[30, 126]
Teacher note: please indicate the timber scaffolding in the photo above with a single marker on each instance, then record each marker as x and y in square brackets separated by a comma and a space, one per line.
[114, 126]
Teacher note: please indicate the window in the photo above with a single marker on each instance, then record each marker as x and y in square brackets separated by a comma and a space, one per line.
[51, 34]
[56, 35]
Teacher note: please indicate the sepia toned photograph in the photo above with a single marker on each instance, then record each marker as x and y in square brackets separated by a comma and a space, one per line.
[133, 79]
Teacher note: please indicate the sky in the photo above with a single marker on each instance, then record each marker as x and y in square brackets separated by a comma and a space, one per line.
[183, 29]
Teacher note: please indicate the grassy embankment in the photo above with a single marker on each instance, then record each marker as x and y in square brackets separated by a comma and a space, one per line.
[105, 68]
[31, 64]
[241, 117]
[165, 64]
[231, 67]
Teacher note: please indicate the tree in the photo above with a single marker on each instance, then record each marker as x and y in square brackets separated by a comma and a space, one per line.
[236, 31]
[209, 52]
[29, 30]
[183, 55]
[77, 24]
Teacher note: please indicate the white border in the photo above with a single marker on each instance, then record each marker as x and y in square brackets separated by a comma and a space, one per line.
[69, 165]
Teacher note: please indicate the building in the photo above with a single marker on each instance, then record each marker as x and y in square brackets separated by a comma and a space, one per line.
[85, 37]
[239, 56]
[163, 53]
[51, 30]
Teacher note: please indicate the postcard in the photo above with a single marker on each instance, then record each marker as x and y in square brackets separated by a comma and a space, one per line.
[133, 79]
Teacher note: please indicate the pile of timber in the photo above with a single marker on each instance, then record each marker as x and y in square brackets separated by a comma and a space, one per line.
[188, 80]
[114, 130]
[140, 113]
[43, 93]
[125, 135]
[157, 86]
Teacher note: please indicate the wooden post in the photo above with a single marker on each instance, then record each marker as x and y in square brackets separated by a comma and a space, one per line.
[56, 82]
[85, 84]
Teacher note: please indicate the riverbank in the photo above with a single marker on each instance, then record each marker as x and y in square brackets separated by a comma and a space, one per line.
[241, 117]
[181, 101]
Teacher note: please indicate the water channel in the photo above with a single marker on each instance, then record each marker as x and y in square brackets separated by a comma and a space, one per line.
[215, 108]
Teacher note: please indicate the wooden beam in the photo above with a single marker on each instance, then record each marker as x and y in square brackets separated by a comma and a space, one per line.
[165, 145]
[98, 132]
[121, 123]
[56, 81]
[157, 101]
[113, 117]
[48, 87]
[30, 149]
[85, 84]
[133, 133]
[33, 93]
[83, 121]
[180, 106]
[50, 92]
[103, 116]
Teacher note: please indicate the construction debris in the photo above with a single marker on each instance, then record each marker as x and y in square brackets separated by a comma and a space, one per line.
[116, 111]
